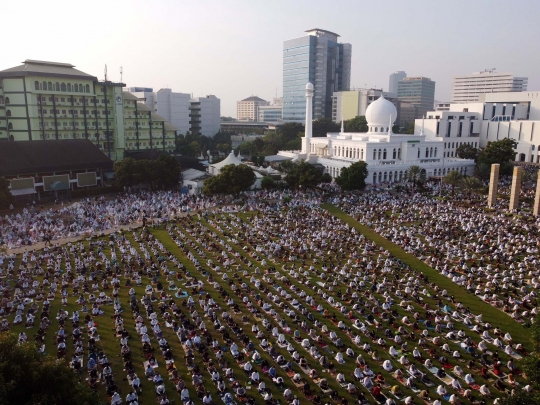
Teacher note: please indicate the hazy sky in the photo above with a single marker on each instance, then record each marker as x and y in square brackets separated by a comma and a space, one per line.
[233, 48]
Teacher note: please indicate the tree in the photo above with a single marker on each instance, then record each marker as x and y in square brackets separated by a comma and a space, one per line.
[482, 171]
[5, 194]
[356, 124]
[453, 178]
[290, 131]
[27, 377]
[189, 144]
[415, 174]
[161, 173]
[124, 172]
[501, 152]
[353, 177]
[302, 174]
[232, 180]
[168, 171]
[410, 129]
[395, 129]
[267, 182]
[323, 126]
[471, 185]
[466, 151]
[520, 397]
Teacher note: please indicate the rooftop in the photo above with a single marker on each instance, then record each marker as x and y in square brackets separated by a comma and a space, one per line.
[254, 98]
[42, 68]
[27, 157]
[320, 30]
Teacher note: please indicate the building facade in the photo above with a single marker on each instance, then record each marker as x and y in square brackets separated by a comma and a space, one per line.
[394, 80]
[468, 88]
[419, 91]
[205, 115]
[349, 104]
[172, 106]
[270, 113]
[388, 155]
[495, 116]
[317, 58]
[54, 101]
[248, 108]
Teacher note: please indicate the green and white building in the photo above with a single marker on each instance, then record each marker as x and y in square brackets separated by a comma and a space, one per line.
[50, 101]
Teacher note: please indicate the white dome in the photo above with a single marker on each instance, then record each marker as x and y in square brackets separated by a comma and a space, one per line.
[310, 86]
[379, 112]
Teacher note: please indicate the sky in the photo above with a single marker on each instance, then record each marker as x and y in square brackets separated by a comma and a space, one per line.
[233, 48]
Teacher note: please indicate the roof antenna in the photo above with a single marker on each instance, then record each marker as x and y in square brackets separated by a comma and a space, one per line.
[105, 72]
[121, 73]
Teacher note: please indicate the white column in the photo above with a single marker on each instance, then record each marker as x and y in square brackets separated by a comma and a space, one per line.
[309, 117]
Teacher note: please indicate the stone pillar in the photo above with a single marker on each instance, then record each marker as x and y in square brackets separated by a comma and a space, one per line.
[309, 117]
[536, 209]
[493, 184]
[516, 188]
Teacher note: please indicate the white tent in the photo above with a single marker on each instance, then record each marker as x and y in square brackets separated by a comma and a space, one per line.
[215, 168]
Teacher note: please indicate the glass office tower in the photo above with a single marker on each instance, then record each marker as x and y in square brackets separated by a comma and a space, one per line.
[319, 59]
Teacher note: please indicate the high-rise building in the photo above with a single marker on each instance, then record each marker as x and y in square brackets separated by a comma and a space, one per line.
[248, 108]
[394, 79]
[319, 59]
[172, 106]
[467, 88]
[205, 115]
[53, 101]
[419, 91]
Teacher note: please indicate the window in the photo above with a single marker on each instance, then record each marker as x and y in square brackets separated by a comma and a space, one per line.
[10, 126]
[63, 87]
[36, 85]
[76, 88]
[427, 152]
[62, 99]
[50, 86]
[57, 86]
[7, 100]
[44, 85]
[8, 113]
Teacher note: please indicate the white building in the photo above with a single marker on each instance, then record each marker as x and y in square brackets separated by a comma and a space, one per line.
[174, 107]
[388, 155]
[467, 88]
[205, 115]
[248, 108]
[394, 79]
[494, 117]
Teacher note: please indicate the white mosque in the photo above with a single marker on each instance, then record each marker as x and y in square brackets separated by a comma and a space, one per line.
[388, 155]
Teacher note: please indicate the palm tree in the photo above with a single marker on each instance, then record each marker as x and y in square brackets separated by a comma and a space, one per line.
[453, 178]
[471, 185]
[482, 171]
[416, 174]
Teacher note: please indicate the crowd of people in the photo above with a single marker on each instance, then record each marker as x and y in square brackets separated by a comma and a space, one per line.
[329, 312]
[490, 254]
